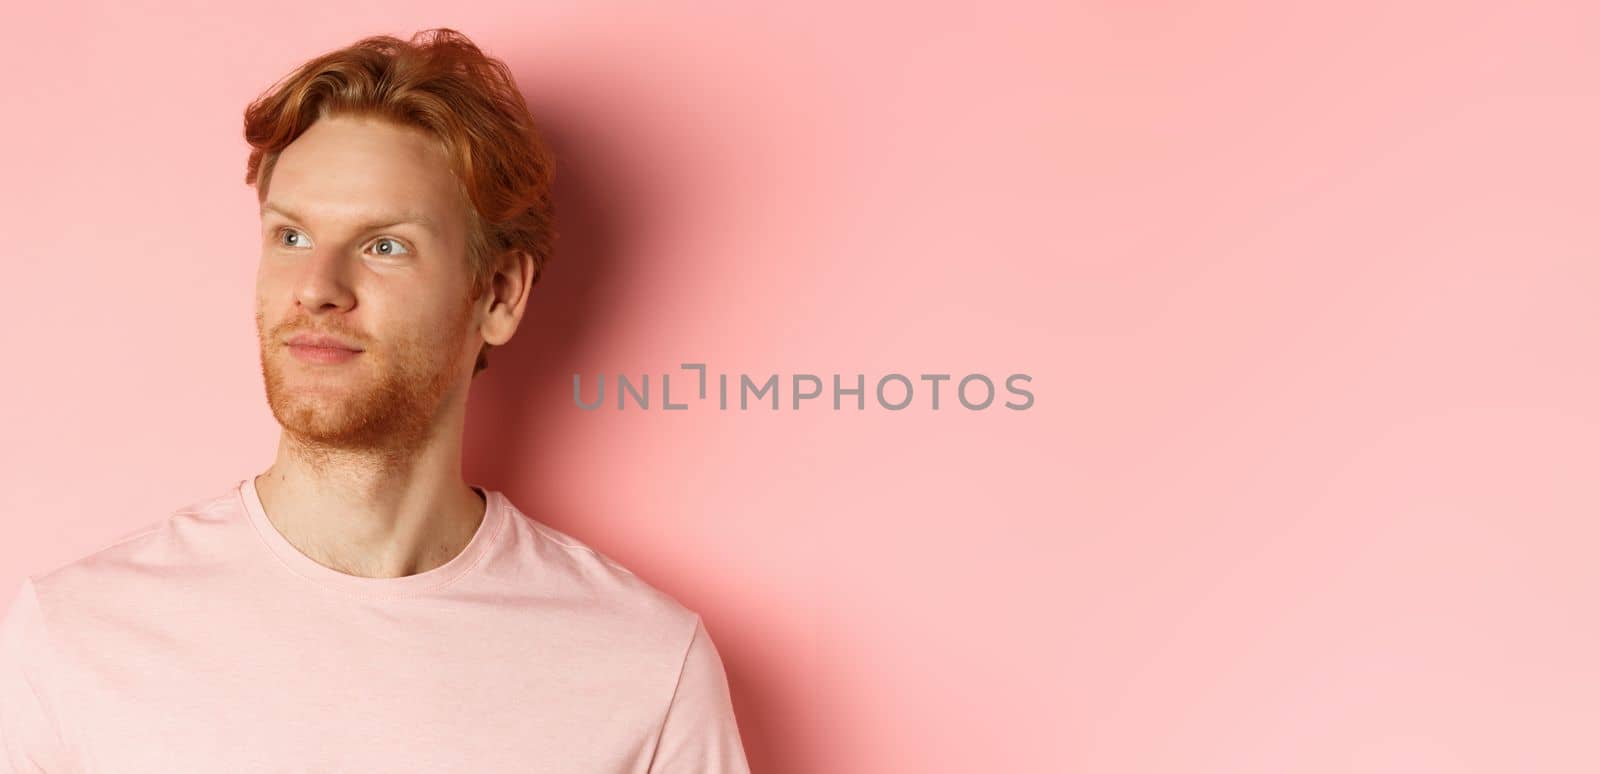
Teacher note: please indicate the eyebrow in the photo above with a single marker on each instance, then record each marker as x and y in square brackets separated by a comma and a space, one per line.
[377, 220]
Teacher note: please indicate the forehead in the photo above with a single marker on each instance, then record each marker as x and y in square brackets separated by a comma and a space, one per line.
[353, 170]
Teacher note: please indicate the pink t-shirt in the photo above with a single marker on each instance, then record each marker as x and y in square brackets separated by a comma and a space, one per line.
[206, 642]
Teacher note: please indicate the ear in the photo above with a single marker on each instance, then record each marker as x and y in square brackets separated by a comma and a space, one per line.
[508, 296]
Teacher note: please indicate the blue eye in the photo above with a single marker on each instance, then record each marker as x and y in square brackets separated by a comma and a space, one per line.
[391, 251]
[283, 231]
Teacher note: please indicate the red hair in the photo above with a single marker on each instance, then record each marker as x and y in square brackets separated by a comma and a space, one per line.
[442, 83]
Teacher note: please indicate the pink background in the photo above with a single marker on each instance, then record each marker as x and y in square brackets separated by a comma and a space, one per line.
[1308, 295]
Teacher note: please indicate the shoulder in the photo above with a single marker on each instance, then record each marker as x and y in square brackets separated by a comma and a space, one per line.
[584, 582]
[158, 550]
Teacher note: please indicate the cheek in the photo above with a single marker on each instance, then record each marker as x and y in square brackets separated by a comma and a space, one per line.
[268, 307]
[272, 287]
[263, 307]
[440, 334]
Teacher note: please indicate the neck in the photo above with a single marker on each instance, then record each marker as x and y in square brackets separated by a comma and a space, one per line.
[373, 514]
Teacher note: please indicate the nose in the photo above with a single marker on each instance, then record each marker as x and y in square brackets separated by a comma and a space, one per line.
[323, 282]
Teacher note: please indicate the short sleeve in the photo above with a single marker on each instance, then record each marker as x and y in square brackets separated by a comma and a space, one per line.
[699, 734]
[30, 737]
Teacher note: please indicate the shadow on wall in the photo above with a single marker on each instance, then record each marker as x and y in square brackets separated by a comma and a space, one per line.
[599, 211]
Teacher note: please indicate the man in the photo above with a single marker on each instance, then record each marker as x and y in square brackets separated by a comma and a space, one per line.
[357, 607]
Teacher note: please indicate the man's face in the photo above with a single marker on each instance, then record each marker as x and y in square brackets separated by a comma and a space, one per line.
[336, 261]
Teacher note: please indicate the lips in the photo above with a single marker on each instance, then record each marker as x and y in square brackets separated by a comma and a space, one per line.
[323, 342]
